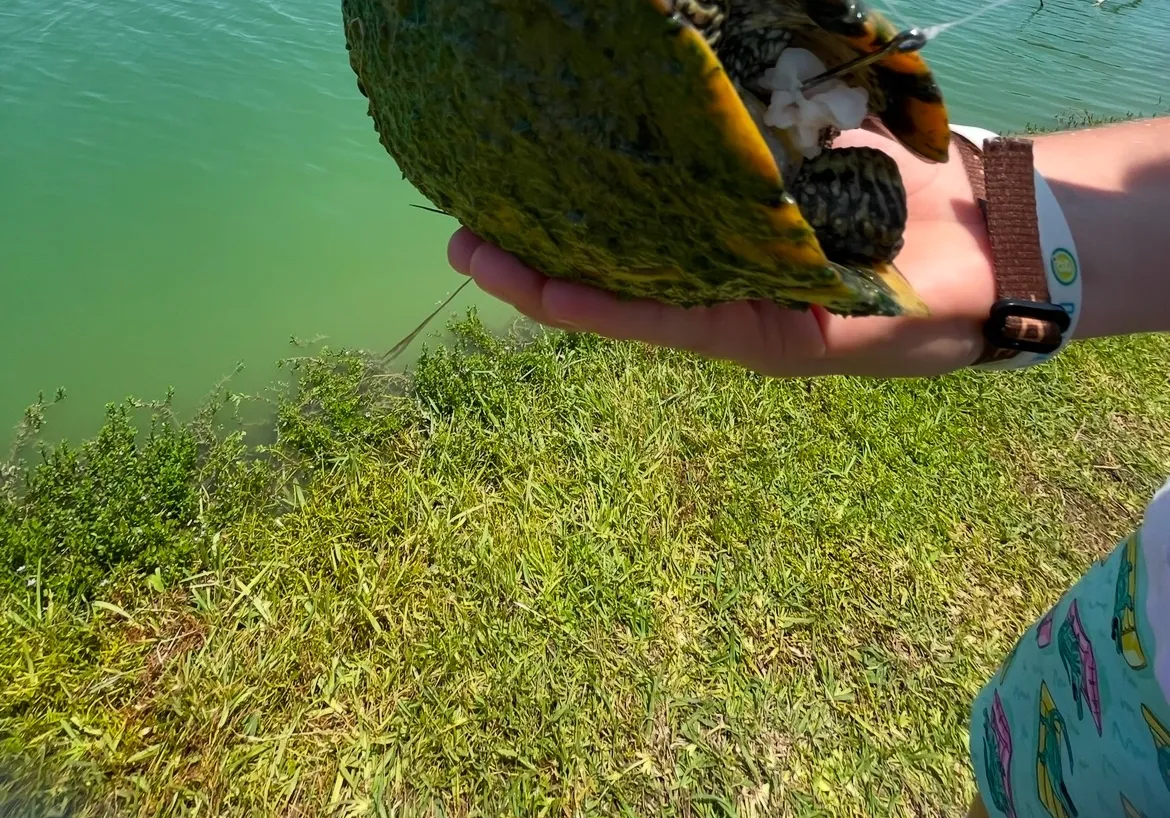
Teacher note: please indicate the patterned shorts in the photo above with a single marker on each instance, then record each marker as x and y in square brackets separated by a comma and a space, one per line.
[1076, 720]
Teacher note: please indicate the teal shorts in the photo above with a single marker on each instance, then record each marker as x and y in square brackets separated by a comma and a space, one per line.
[1076, 722]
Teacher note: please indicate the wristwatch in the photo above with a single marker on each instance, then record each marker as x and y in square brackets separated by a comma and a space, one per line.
[1034, 258]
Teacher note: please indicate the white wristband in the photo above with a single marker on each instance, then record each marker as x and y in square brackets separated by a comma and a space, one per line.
[1062, 266]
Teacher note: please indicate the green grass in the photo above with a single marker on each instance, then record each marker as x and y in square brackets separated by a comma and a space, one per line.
[554, 576]
[1075, 119]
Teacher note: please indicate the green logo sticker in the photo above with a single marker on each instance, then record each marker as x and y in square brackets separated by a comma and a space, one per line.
[1064, 266]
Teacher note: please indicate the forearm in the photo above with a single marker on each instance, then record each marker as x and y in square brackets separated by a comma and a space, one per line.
[1113, 184]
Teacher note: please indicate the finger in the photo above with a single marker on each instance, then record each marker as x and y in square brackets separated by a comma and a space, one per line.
[595, 310]
[760, 336]
[460, 247]
[694, 329]
[750, 332]
[505, 277]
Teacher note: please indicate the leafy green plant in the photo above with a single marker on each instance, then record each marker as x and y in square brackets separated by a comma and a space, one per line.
[545, 572]
[115, 501]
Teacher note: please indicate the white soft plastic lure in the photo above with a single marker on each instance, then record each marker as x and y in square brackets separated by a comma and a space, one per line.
[804, 114]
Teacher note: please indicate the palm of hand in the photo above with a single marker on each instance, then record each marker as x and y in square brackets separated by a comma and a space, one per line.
[946, 258]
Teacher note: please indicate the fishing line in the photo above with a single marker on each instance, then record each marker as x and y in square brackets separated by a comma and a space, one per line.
[907, 41]
[401, 346]
[930, 32]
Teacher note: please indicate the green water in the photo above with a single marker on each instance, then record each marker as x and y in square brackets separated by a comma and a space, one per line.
[185, 185]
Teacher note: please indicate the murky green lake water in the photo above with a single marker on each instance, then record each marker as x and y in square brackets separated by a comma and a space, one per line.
[185, 185]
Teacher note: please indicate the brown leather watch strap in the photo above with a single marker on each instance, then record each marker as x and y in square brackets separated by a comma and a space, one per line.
[1023, 317]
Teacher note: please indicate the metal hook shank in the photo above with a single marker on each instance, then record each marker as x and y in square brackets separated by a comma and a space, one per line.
[911, 39]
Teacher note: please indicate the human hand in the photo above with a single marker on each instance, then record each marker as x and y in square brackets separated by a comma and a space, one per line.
[946, 258]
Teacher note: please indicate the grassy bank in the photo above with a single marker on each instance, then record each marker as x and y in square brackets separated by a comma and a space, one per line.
[554, 575]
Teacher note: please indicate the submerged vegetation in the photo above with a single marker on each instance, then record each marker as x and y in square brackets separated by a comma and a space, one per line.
[551, 574]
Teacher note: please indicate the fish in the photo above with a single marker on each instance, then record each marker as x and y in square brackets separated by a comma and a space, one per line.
[1161, 743]
[1076, 652]
[1050, 784]
[1124, 628]
[997, 757]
